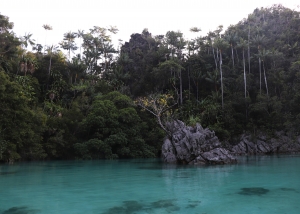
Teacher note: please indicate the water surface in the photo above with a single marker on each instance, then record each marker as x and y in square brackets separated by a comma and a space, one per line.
[264, 184]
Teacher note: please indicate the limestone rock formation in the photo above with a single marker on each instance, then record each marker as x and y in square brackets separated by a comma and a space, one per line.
[193, 145]
[279, 143]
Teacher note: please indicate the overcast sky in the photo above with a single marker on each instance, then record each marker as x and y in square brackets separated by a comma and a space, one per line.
[130, 16]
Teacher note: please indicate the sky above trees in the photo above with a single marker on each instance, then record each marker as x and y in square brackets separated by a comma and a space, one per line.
[130, 16]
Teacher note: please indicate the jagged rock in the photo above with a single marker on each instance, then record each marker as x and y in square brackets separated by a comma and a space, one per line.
[193, 145]
[218, 156]
[168, 152]
[281, 143]
[263, 147]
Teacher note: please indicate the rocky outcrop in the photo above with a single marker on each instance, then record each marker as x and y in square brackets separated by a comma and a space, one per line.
[193, 145]
[279, 143]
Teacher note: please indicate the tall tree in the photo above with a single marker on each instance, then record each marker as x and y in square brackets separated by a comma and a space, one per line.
[221, 44]
[108, 49]
[177, 43]
[69, 43]
[231, 38]
[263, 55]
[259, 41]
[47, 28]
[50, 50]
[27, 40]
[80, 34]
[243, 45]
[9, 44]
[250, 22]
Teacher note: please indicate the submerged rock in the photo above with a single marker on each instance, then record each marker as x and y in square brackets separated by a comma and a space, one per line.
[20, 210]
[193, 145]
[253, 191]
[129, 207]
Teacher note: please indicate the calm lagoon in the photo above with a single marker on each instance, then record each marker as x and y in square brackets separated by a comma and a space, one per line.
[261, 184]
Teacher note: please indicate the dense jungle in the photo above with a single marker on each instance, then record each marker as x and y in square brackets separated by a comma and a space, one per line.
[104, 102]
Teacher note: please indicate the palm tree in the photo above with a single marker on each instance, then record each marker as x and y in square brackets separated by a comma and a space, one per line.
[263, 54]
[75, 68]
[221, 44]
[38, 48]
[177, 43]
[46, 27]
[214, 78]
[195, 29]
[107, 50]
[249, 64]
[113, 29]
[231, 38]
[27, 40]
[197, 75]
[243, 44]
[117, 77]
[175, 68]
[80, 35]
[100, 32]
[259, 41]
[276, 56]
[50, 51]
[193, 44]
[250, 22]
[210, 39]
[69, 43]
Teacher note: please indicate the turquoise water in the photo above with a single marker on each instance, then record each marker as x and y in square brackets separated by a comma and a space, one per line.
[265, 184]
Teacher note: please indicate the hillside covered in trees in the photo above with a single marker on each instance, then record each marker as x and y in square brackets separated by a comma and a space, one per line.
[108, 103]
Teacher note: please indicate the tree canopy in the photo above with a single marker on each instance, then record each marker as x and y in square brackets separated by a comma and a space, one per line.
[104, 103]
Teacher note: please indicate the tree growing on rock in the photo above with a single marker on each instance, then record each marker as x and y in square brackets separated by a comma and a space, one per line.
[159, 105]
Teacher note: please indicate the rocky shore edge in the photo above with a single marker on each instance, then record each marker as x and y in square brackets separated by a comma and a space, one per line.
[200, 146]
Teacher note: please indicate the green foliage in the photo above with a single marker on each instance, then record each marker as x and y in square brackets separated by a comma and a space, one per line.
[30, 88]
[51, 107]
[9, 45]
[21, 127]
[193, 120]
[112, 130]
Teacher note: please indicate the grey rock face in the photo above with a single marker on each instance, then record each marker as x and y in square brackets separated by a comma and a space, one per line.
[218, 156]
[193, 145]
[281, 143]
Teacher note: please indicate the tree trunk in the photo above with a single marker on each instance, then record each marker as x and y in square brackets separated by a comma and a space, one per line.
[259, 62]
[265, 76]
[49, 69]
[222, 92]
[245, 81]
[80, 48]
[197, 93]
[180, 86]
[249, 49]
[189, 82]
[237, 56]
[232, 56]
[162, 126]
[215, 58]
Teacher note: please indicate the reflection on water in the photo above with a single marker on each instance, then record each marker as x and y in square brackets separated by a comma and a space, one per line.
[261, 184]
